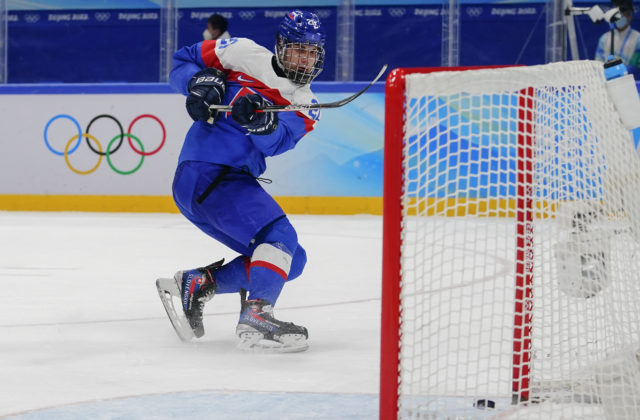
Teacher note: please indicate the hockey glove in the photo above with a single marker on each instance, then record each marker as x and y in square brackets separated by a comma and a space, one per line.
[206, 87]
[260, 123]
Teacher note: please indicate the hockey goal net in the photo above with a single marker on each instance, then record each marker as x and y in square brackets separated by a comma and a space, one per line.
[511, 266]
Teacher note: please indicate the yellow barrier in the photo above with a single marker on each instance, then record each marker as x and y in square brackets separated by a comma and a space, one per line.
[484, 207]
[451, 207]
[165, 204]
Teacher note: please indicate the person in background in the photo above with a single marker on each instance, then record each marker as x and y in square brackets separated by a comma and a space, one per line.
[626, 41]
[216, 28]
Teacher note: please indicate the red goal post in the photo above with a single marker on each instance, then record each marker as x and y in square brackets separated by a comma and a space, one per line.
[554, 191]
[392, 205]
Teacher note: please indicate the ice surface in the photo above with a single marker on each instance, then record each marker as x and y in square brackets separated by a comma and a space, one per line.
[84, 335]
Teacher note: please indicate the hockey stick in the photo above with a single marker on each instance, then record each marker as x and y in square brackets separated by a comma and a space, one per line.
[304, 107]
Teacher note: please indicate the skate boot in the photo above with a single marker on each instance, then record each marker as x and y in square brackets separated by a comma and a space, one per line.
[259, 331]
[194, 288]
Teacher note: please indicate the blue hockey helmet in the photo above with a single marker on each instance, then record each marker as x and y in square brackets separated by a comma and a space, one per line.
[300, 46]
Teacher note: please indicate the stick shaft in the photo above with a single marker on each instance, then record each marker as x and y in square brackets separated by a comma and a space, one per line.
[305, 107]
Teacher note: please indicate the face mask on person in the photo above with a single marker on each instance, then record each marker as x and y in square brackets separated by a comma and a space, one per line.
[208, 37]
[622, 22]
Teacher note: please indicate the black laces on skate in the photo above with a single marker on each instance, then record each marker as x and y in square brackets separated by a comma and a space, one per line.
[209, 289]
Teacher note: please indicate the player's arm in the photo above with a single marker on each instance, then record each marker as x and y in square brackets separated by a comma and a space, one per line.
[185, 63]
[291, 128]
[203, 85]
[270, 132]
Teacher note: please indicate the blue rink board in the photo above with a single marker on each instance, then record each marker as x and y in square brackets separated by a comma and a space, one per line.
[214, 405]
[97, 48]
[143, 4]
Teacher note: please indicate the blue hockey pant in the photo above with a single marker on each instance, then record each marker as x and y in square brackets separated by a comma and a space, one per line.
[230, 206]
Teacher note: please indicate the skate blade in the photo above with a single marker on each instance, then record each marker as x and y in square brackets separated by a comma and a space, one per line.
[170, 294]
[255, 342]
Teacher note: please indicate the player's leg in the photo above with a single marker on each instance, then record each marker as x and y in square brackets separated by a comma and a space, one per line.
[194, 287]
[274, 250]
[242, 210]
[236, 212]
[234, 275]
[275, 257]
[229, 206]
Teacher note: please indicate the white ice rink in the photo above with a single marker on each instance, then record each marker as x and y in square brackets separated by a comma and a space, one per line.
[83, 334]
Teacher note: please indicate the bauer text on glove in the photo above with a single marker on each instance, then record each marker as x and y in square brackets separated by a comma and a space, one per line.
[206, 87]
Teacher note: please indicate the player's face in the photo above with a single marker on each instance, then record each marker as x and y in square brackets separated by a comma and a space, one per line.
[301, 58]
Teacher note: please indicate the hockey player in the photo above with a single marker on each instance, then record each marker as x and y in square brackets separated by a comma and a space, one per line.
[216, 182]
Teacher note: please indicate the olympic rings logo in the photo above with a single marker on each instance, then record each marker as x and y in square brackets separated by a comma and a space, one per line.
[474, 11]
[108, 151]
[397, 11]
[247, 15]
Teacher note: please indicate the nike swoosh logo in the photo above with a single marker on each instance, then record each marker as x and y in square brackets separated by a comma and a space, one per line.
[242, 79]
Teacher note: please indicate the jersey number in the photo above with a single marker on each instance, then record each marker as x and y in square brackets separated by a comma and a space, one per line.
[224, 43]
[314, 113]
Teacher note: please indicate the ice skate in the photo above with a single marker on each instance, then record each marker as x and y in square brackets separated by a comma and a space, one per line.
[259, 331]
[192, 288]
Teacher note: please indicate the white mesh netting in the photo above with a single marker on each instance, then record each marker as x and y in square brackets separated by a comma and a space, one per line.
[476, 142]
